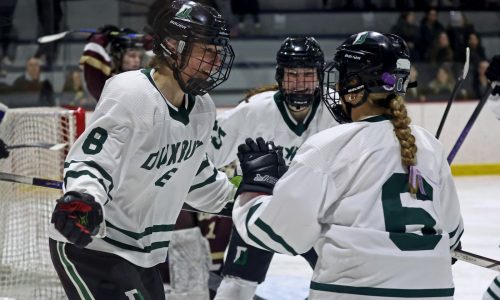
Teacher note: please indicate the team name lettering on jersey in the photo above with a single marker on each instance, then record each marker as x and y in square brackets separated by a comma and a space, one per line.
[171, 154]
[290, 153]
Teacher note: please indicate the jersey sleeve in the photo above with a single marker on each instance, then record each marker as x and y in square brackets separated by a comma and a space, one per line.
[286, 222]
[93, 164]
[96, 65]
[228, 132]
[451, 214]
[211, 189]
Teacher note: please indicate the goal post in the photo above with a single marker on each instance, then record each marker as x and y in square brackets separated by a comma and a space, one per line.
[26, 270]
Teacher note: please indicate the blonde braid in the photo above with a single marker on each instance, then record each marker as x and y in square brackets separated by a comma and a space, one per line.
[401, 123]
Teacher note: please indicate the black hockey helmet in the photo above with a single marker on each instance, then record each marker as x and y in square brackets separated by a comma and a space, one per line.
[367, 62]
[189, 22]
[300, 52]
[124, 40]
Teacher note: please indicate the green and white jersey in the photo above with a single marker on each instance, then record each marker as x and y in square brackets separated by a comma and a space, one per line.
[142, 158]
[264, 115]
[493, 291]
[346, 192]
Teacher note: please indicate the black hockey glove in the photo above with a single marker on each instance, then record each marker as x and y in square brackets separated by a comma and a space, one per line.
[77, 216]
[4, 153]
[493, 73]
[262, 164]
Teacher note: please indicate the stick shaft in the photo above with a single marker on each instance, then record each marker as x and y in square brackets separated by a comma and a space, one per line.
[468, 126]
[54, 184]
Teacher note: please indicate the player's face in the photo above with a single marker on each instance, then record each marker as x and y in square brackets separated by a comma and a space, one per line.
[300, 80]
[204, 61]
[131, 60]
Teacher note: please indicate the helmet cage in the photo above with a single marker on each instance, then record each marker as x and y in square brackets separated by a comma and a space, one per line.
[196, 75]
[300, 53]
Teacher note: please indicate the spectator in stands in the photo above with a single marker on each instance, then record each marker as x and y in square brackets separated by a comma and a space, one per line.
[241, 8]
[479, 81]
[441, 51]
[406, 28]
[477, 53]
[74, 91]
[49, 18]
[430, 28]
[7, 8]
[458, 31]
[31, 82]
[442, 85]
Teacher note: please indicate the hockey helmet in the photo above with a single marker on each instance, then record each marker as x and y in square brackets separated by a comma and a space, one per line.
[300, 52]
[188, 23]
[367, 62]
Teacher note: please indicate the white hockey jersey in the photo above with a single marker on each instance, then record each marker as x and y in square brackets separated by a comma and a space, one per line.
[493, 291]
[264, 115]
[142, 158]
[346, 192]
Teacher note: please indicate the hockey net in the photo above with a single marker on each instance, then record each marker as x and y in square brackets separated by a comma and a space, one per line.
[26, 270]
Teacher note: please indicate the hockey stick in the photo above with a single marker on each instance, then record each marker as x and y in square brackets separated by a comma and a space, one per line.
[57, 36]
[477, 260]
[54, 184]
[48, 146]
[468, 126]
[458, 85]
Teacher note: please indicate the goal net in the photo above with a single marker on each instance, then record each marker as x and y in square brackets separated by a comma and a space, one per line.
[26, 270]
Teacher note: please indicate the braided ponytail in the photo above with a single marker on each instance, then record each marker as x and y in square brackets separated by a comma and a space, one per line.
[401, 122]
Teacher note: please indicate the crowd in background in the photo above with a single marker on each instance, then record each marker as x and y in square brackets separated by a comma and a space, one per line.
[440, 51]
[437, 48]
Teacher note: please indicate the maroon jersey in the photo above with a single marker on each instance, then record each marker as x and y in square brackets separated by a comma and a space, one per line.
[96, 65]
[217, 230]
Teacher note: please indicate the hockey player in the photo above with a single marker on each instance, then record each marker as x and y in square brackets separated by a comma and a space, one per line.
[375, 196]
[288, 113]
[493, 74]
[142, 155]
[126, 50]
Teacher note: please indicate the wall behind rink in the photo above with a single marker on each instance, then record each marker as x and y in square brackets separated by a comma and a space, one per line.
[482, 144]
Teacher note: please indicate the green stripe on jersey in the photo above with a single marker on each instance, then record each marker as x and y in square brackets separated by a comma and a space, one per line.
[77, 174]
[492, 294]
[147, 230]
[274, 236]
[381, 292]
[206, 182]
[147, 249]
[250, 235]
[98, 168]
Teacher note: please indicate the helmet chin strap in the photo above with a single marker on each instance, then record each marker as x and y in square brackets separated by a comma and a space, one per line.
[297, 108]
[349, 106]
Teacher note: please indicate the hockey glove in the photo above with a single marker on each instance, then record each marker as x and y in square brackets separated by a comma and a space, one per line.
[493, 74]
[262, 164]
[4, 153]
[77, 216]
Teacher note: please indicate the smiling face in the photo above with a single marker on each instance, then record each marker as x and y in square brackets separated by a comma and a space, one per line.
[300, 80]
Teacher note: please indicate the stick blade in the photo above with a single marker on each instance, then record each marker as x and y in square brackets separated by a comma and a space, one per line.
[57, 147]
[53, 37]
